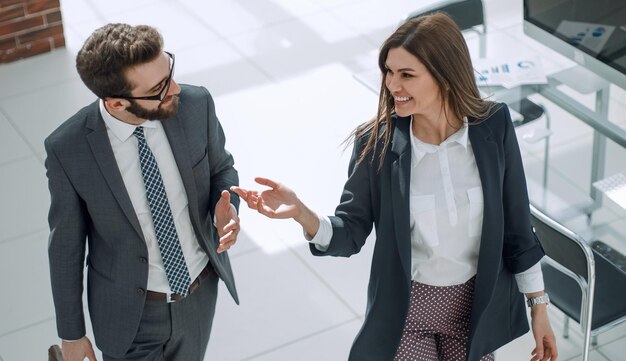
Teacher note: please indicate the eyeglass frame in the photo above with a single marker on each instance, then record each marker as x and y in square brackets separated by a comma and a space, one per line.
[161, 95]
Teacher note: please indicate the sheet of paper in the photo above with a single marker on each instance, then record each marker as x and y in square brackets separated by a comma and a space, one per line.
[509, 72]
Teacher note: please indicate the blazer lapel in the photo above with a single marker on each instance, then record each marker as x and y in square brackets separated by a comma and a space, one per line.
[490, 167]
[400, 192]
[100, 145]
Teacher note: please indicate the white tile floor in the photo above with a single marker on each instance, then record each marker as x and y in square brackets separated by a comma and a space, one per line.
[281, 72]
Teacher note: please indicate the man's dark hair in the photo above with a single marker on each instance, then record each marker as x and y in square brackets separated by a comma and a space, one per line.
[110, 51]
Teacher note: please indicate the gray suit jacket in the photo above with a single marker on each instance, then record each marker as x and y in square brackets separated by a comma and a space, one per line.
[508, 245]
[91, 211]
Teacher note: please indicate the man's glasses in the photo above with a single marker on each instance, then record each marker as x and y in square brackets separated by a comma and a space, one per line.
[161, 95]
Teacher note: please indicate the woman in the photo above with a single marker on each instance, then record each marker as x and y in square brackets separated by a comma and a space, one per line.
[439, 173]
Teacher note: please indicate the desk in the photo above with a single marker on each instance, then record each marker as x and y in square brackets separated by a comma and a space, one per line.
[597, 119]
[614, 187]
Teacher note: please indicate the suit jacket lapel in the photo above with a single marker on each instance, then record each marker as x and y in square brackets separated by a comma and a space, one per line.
[100, 145]
[178, 142]
[400, 192]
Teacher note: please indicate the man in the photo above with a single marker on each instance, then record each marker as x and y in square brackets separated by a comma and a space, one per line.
[138, 182]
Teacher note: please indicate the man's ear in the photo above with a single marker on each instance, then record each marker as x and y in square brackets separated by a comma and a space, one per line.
[116, 104]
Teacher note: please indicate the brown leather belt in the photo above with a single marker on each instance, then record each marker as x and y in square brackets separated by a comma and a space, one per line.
[159, 296]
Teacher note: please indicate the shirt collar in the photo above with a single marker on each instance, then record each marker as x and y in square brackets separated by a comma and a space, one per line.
[420, 148]
[460, 136]
[120, 129]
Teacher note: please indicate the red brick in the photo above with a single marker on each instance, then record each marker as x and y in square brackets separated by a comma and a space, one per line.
[4, 3]
[8, 44]
[11, 13]
[28, 50]
[16, 26]
[54, 17]
[35, 6]
[32, 36]
[58, 41]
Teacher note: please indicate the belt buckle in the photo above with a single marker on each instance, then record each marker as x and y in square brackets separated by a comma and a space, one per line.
[168, 297]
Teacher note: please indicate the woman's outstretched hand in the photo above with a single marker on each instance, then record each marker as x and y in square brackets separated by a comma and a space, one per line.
[277, 202]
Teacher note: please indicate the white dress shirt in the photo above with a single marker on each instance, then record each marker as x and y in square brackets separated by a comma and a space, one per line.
[446, 206]
[125, 149]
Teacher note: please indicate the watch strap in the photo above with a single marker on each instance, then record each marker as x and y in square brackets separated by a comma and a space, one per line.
[533, 301]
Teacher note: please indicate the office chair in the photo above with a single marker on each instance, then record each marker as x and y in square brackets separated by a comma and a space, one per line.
[469, 15]
[578, 276]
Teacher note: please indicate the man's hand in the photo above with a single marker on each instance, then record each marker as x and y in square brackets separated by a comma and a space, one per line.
[78, 350]
[226, 222]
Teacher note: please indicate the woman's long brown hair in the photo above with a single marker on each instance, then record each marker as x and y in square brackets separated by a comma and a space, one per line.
[436, 41]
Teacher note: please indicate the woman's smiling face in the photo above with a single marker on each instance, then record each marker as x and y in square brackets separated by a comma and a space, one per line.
[413, 88]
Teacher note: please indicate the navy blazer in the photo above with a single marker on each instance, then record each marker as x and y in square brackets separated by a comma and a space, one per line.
[90, 206]
[381, 198]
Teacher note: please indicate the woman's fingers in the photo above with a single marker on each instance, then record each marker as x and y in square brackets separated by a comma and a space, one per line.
[250, 197]
[266, 182]
[264, 209]
[239, 191]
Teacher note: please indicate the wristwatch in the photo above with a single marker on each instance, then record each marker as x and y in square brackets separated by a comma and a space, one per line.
[538, 300]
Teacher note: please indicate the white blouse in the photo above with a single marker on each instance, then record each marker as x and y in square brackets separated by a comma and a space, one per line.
[446, 205]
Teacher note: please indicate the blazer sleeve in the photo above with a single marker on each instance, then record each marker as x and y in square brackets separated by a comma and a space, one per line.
[521, 249]
[223, 173]
[66, 248]
[353, 219]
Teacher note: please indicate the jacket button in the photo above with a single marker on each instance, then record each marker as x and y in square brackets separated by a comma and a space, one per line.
[143, 259]
[140, 291]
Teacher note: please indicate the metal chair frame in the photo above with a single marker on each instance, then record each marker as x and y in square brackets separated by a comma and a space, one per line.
[585, 276]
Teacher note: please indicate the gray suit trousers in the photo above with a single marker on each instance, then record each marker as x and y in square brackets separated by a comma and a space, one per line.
[175, 331]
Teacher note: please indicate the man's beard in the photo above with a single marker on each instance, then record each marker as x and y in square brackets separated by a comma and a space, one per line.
[156, 114]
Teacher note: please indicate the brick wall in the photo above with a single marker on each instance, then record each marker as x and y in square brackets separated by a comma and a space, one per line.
[29, 27]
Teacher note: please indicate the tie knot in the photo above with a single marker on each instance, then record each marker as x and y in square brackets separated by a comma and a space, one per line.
[139, 133]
